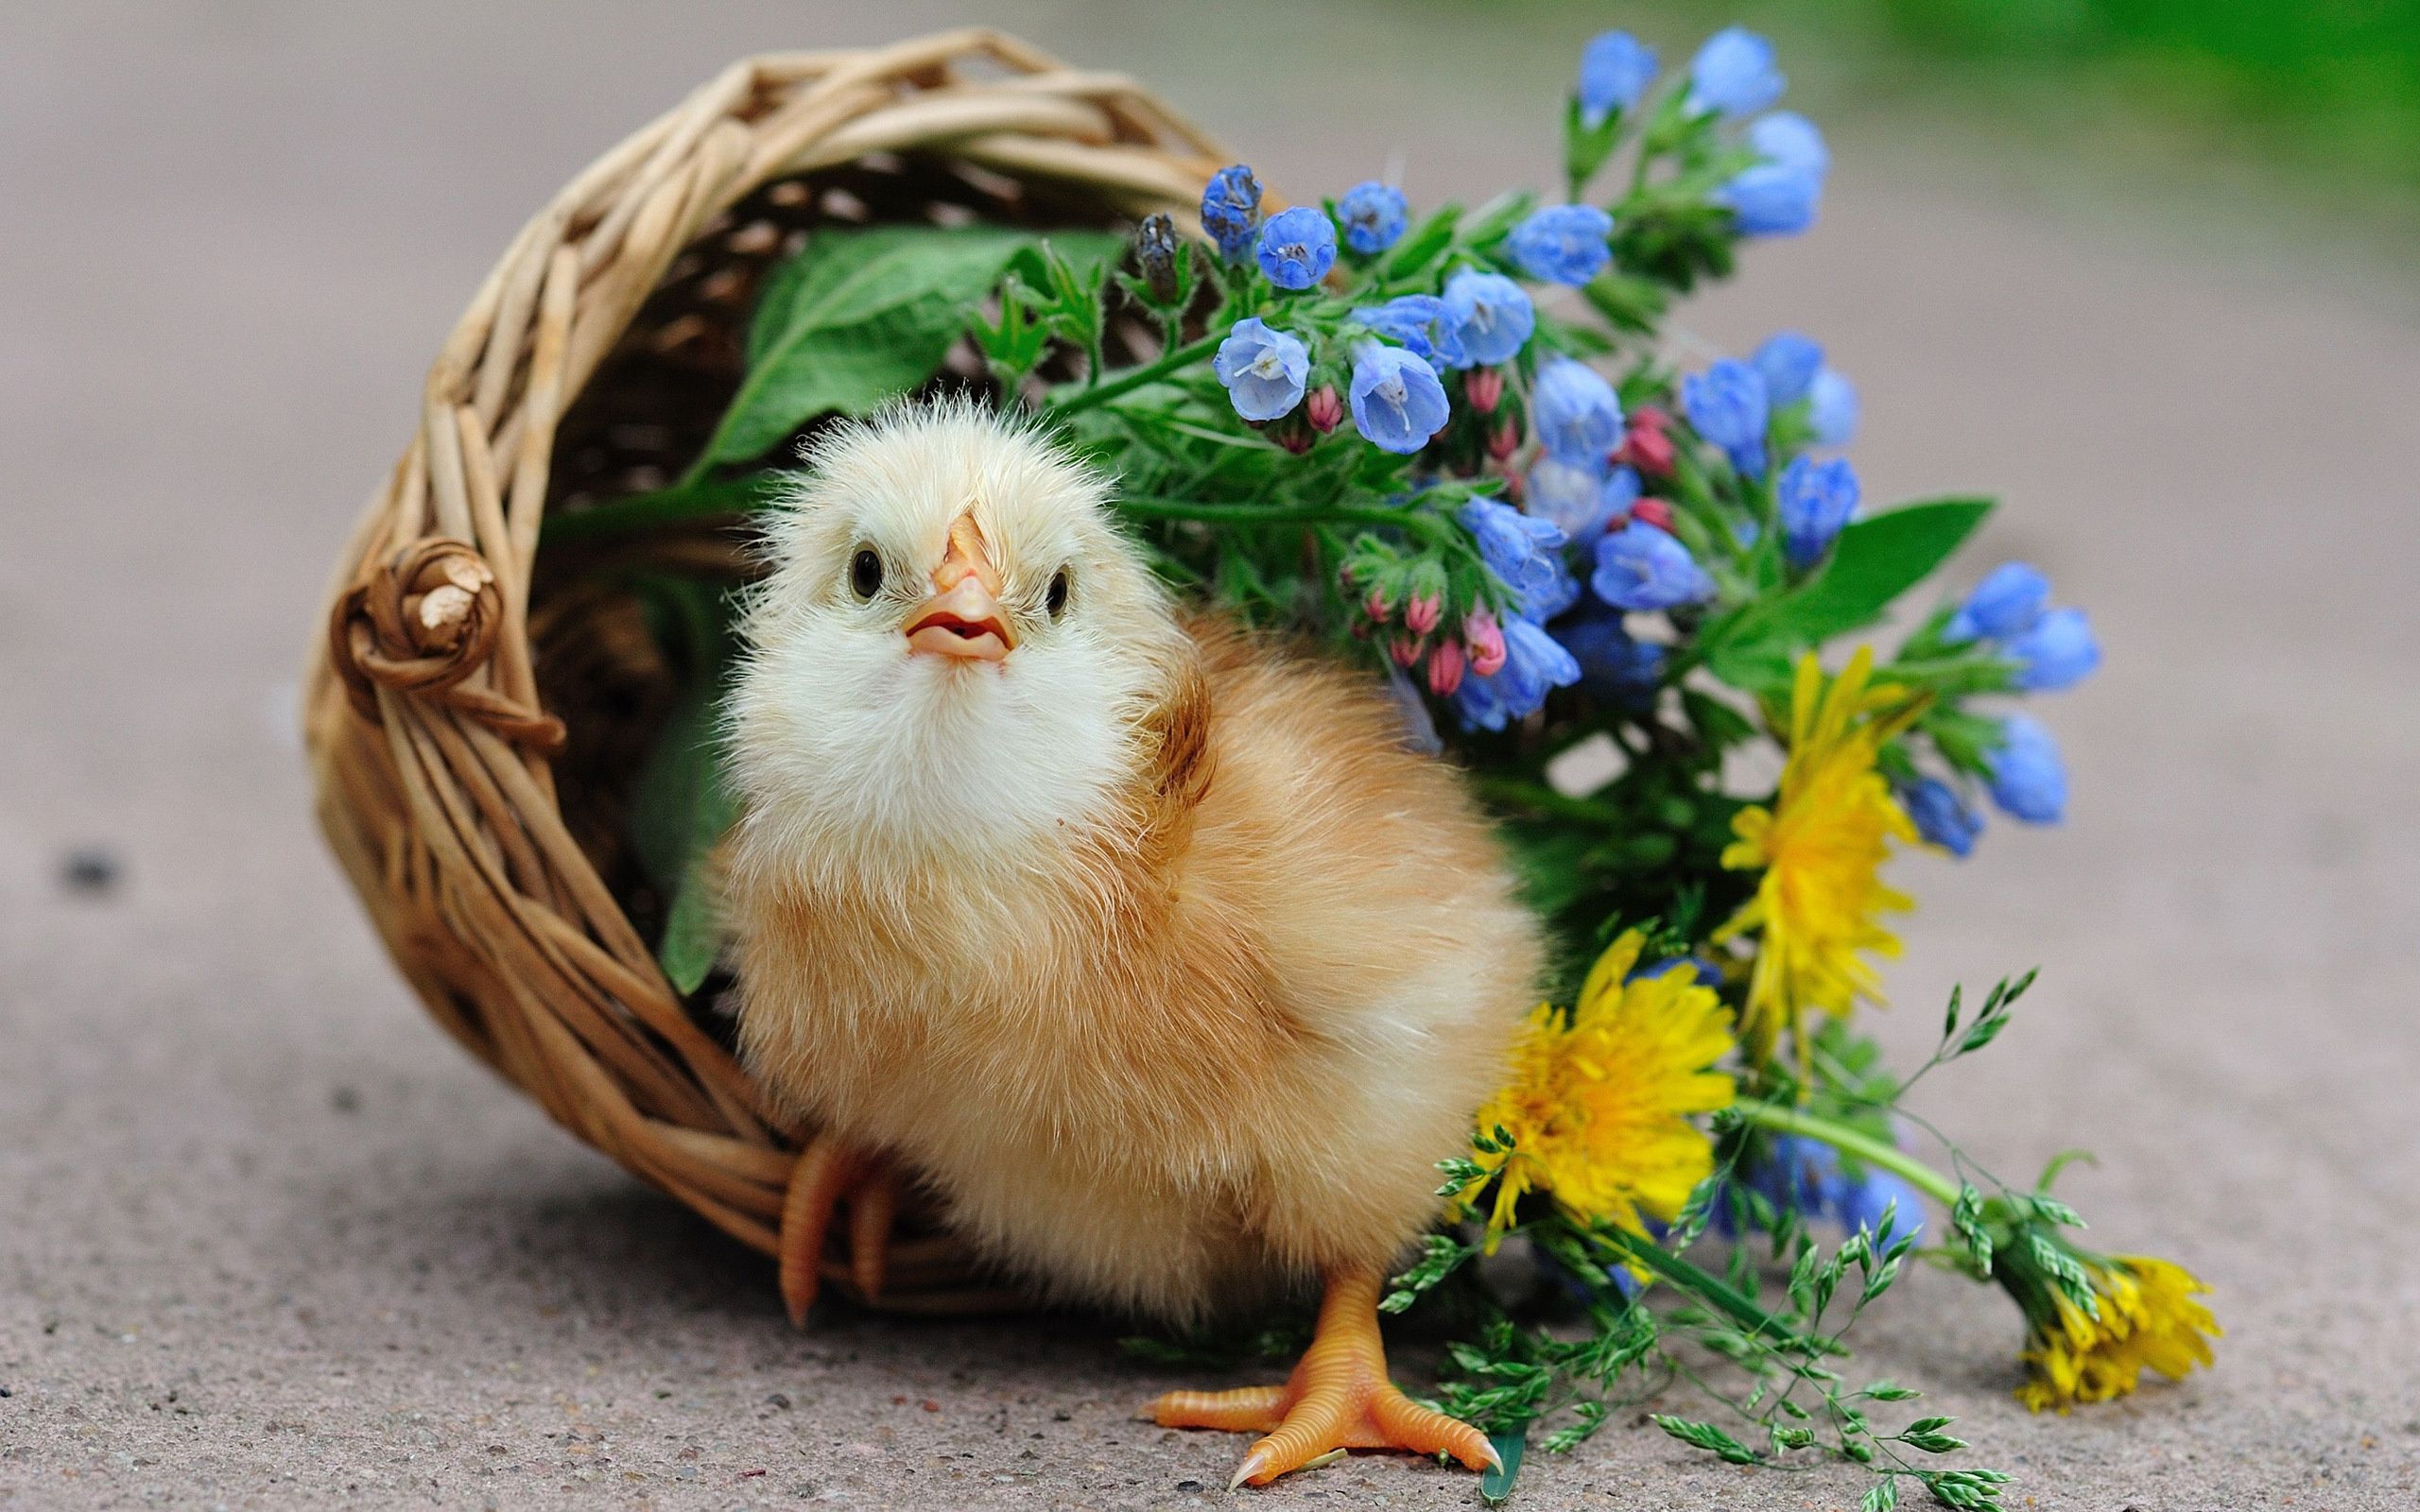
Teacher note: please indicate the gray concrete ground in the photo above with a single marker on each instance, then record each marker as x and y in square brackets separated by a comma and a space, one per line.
[267, 1240]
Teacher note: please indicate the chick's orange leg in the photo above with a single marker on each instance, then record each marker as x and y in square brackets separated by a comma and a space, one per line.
[830, 1171]
[1337, 1397]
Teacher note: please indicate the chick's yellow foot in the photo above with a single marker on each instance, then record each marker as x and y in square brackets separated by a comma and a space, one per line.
[831, 1171]
[1337, 1397]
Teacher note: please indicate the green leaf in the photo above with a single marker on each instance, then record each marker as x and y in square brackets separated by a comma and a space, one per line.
[682, 808]
[1706, 1436]
[1425, 244]
[1882, 1496]
[1722, 725]
[1759, 667]
[1966, 1220]
[1874, 562]
[2060, 1162]
[859, 316]
[684, 803]
[1496, 1486]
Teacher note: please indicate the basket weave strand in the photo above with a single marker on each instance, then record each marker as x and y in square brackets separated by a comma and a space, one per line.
[456, 703]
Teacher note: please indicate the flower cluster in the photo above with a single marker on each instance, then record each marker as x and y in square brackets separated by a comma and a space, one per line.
[1450, 443]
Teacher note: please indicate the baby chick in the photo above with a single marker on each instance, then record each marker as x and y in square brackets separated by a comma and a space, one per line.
[1140, 941]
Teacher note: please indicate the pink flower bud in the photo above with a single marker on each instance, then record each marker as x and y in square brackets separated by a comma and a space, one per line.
[1445, 667]
[1326, 411]
[1405, 650]
[1293, 438]
[1485, 388]
[1375, 606]
[1647, 447]
[1506, 441]
[1653, 512]
[1420, 613]
[1487, 642]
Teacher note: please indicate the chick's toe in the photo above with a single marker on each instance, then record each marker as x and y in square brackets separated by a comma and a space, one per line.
[1338, 1398]
[831, 1171]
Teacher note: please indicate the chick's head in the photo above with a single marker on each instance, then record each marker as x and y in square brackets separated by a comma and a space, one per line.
[955, 652]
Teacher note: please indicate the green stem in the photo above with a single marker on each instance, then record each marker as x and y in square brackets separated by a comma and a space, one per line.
[1133, 378]
[1702, 1284]
[1786, 1120]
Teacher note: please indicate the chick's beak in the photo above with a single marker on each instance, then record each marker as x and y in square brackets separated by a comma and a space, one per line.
[963, 618]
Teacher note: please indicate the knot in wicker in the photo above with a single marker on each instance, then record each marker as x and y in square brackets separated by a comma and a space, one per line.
[477, 708]
[423, 624]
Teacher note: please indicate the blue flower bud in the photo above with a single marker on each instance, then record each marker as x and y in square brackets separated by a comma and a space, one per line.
[1534, 663]
[1297, 246]
[1263, 370]
[1727, 406]
[2009, 601]
[1832, 409]
[1788, 362]
[1422, 325]
[1734, 73]
[2029, 778]
[1373, 215]
[1940, 815]
[1576, 413]
[1614, 667]
[1557, 592]
[1614, 69]
[1789, 140]
[1231, 211]
[1576, 498]
[1491, 315]
[1397, 402]
[1771, 201]
[1522, 551]
[1639, 567]
[1479, 703]
[1562, 244]
[1816, 500]
[2058, 652]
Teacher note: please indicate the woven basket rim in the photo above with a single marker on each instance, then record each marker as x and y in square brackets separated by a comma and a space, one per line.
[432, 757]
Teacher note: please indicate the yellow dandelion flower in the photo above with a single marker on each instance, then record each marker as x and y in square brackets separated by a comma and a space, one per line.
[1821, 847]
[2148, 1320]
[1600, 1101]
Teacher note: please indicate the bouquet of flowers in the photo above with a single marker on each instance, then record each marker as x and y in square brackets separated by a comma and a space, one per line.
[1451, 445]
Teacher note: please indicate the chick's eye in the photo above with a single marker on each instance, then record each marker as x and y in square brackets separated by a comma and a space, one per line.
[1057, 601]
[865, 572]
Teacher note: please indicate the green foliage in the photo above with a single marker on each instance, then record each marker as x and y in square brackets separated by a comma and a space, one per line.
[683, 802]
[1874, 561]
[860, 317]
[1496, 1486]
[684, 789]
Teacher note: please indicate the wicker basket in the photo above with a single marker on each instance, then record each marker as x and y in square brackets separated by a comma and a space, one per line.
[475, 714]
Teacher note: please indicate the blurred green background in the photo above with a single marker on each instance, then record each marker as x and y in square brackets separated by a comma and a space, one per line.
[2319, 100]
